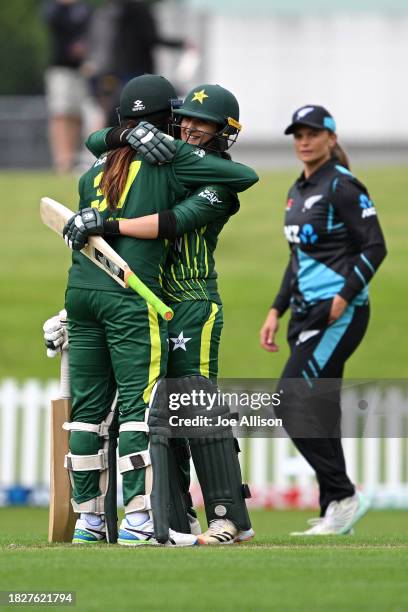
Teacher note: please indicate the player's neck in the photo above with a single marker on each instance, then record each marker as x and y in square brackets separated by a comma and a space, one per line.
[311, 167]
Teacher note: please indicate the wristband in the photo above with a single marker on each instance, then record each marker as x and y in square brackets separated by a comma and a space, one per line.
[111, 228]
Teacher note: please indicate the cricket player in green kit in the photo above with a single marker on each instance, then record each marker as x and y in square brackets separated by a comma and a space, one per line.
[116, 340]
[209, 120]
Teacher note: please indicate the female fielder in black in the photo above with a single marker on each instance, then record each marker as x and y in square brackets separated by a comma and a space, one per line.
[336, 246]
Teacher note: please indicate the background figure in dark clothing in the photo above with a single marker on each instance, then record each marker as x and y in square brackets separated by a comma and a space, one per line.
[124, 36]
[67, 91]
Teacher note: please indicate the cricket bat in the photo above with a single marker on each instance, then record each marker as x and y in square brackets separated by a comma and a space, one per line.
[61, 521]
[55, 216]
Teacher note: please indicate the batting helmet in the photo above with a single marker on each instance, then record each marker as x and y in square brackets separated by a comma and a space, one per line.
[217, 104]
[145, 95]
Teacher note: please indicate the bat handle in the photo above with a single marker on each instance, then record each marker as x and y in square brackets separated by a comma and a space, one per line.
[65, 387]
[65, 383]
[139, 287]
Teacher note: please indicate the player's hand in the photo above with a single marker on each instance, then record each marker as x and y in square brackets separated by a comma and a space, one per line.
[154, 146]
[86, 222]
[269, 330]
[338, 306]
[55, 334]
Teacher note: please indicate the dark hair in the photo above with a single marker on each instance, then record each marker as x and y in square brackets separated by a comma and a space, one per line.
[116, 172]
[340, 155]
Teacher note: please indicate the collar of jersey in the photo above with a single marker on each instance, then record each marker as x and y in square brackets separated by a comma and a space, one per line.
[316, 176]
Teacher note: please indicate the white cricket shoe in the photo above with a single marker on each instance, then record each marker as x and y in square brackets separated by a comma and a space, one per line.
[245, 536]
[220, 531]
[89, 529]
[195, 527]
[143, 535]
[339, 518]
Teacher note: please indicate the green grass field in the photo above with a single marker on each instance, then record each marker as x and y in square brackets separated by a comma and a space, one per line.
[364, 572]
[251, 257]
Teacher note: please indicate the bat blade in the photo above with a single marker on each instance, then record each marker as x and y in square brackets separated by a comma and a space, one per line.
[62, 518]
[55, 215]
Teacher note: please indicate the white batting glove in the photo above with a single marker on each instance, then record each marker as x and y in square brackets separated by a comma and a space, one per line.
[55, 334]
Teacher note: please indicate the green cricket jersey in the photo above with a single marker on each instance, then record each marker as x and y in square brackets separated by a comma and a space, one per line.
[201, 192]
[189, 273]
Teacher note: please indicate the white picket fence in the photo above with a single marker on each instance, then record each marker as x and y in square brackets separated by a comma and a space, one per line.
[277, 474]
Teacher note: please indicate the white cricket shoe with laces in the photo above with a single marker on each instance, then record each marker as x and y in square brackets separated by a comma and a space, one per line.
[339, 518]
[143, 535]
[220, 531]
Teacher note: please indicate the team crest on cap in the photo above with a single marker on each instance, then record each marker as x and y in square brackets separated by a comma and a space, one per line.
[304, 111]
[199, 96]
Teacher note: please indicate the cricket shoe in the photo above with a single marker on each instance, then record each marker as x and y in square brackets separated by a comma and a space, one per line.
[220, 531]
[89, 529]
[244, 536]
[143, 535]
[340, 517]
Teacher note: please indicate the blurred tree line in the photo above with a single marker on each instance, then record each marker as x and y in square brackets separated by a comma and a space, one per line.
[23, 46]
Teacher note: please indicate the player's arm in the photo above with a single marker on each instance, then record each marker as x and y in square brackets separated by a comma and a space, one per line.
[152, 144]
[279, 306]
[355, 209]
[206, 205]
[193, 167]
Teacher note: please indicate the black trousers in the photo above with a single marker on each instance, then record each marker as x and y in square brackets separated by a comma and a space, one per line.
[310, 387]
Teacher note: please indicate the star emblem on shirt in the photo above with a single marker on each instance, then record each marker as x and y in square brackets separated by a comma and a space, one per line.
[199, 96]
[180, 342]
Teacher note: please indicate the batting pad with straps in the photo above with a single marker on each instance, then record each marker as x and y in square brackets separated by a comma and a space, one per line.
[136, 461]
[98, 462]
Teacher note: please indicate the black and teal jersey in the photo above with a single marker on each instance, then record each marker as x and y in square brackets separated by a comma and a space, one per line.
[189, 273]
[336, 243]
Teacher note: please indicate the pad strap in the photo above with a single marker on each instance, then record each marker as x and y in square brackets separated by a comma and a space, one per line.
[84, 463]
[96, 505]
[134, 426]
[138, 503]
[101, 429]
[134, 461]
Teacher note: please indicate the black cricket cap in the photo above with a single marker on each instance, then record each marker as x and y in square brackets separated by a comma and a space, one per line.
[312, 116]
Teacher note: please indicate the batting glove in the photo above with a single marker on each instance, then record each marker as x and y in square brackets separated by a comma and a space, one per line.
[154, 146]
[55, 334]
[86, 222]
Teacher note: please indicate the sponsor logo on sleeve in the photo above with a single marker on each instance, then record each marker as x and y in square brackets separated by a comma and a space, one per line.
[211, 196]
[367, 206]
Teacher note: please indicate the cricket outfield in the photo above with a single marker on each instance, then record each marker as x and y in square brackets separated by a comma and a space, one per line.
[364, 572]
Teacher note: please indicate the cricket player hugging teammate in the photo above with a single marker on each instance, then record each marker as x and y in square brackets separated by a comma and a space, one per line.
[117, 341]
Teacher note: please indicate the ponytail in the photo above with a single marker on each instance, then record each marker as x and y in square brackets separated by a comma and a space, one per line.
[116, 171]
[339, 155]
[115, 175]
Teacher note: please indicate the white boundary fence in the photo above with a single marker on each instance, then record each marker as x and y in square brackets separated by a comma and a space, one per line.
[277, 474]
